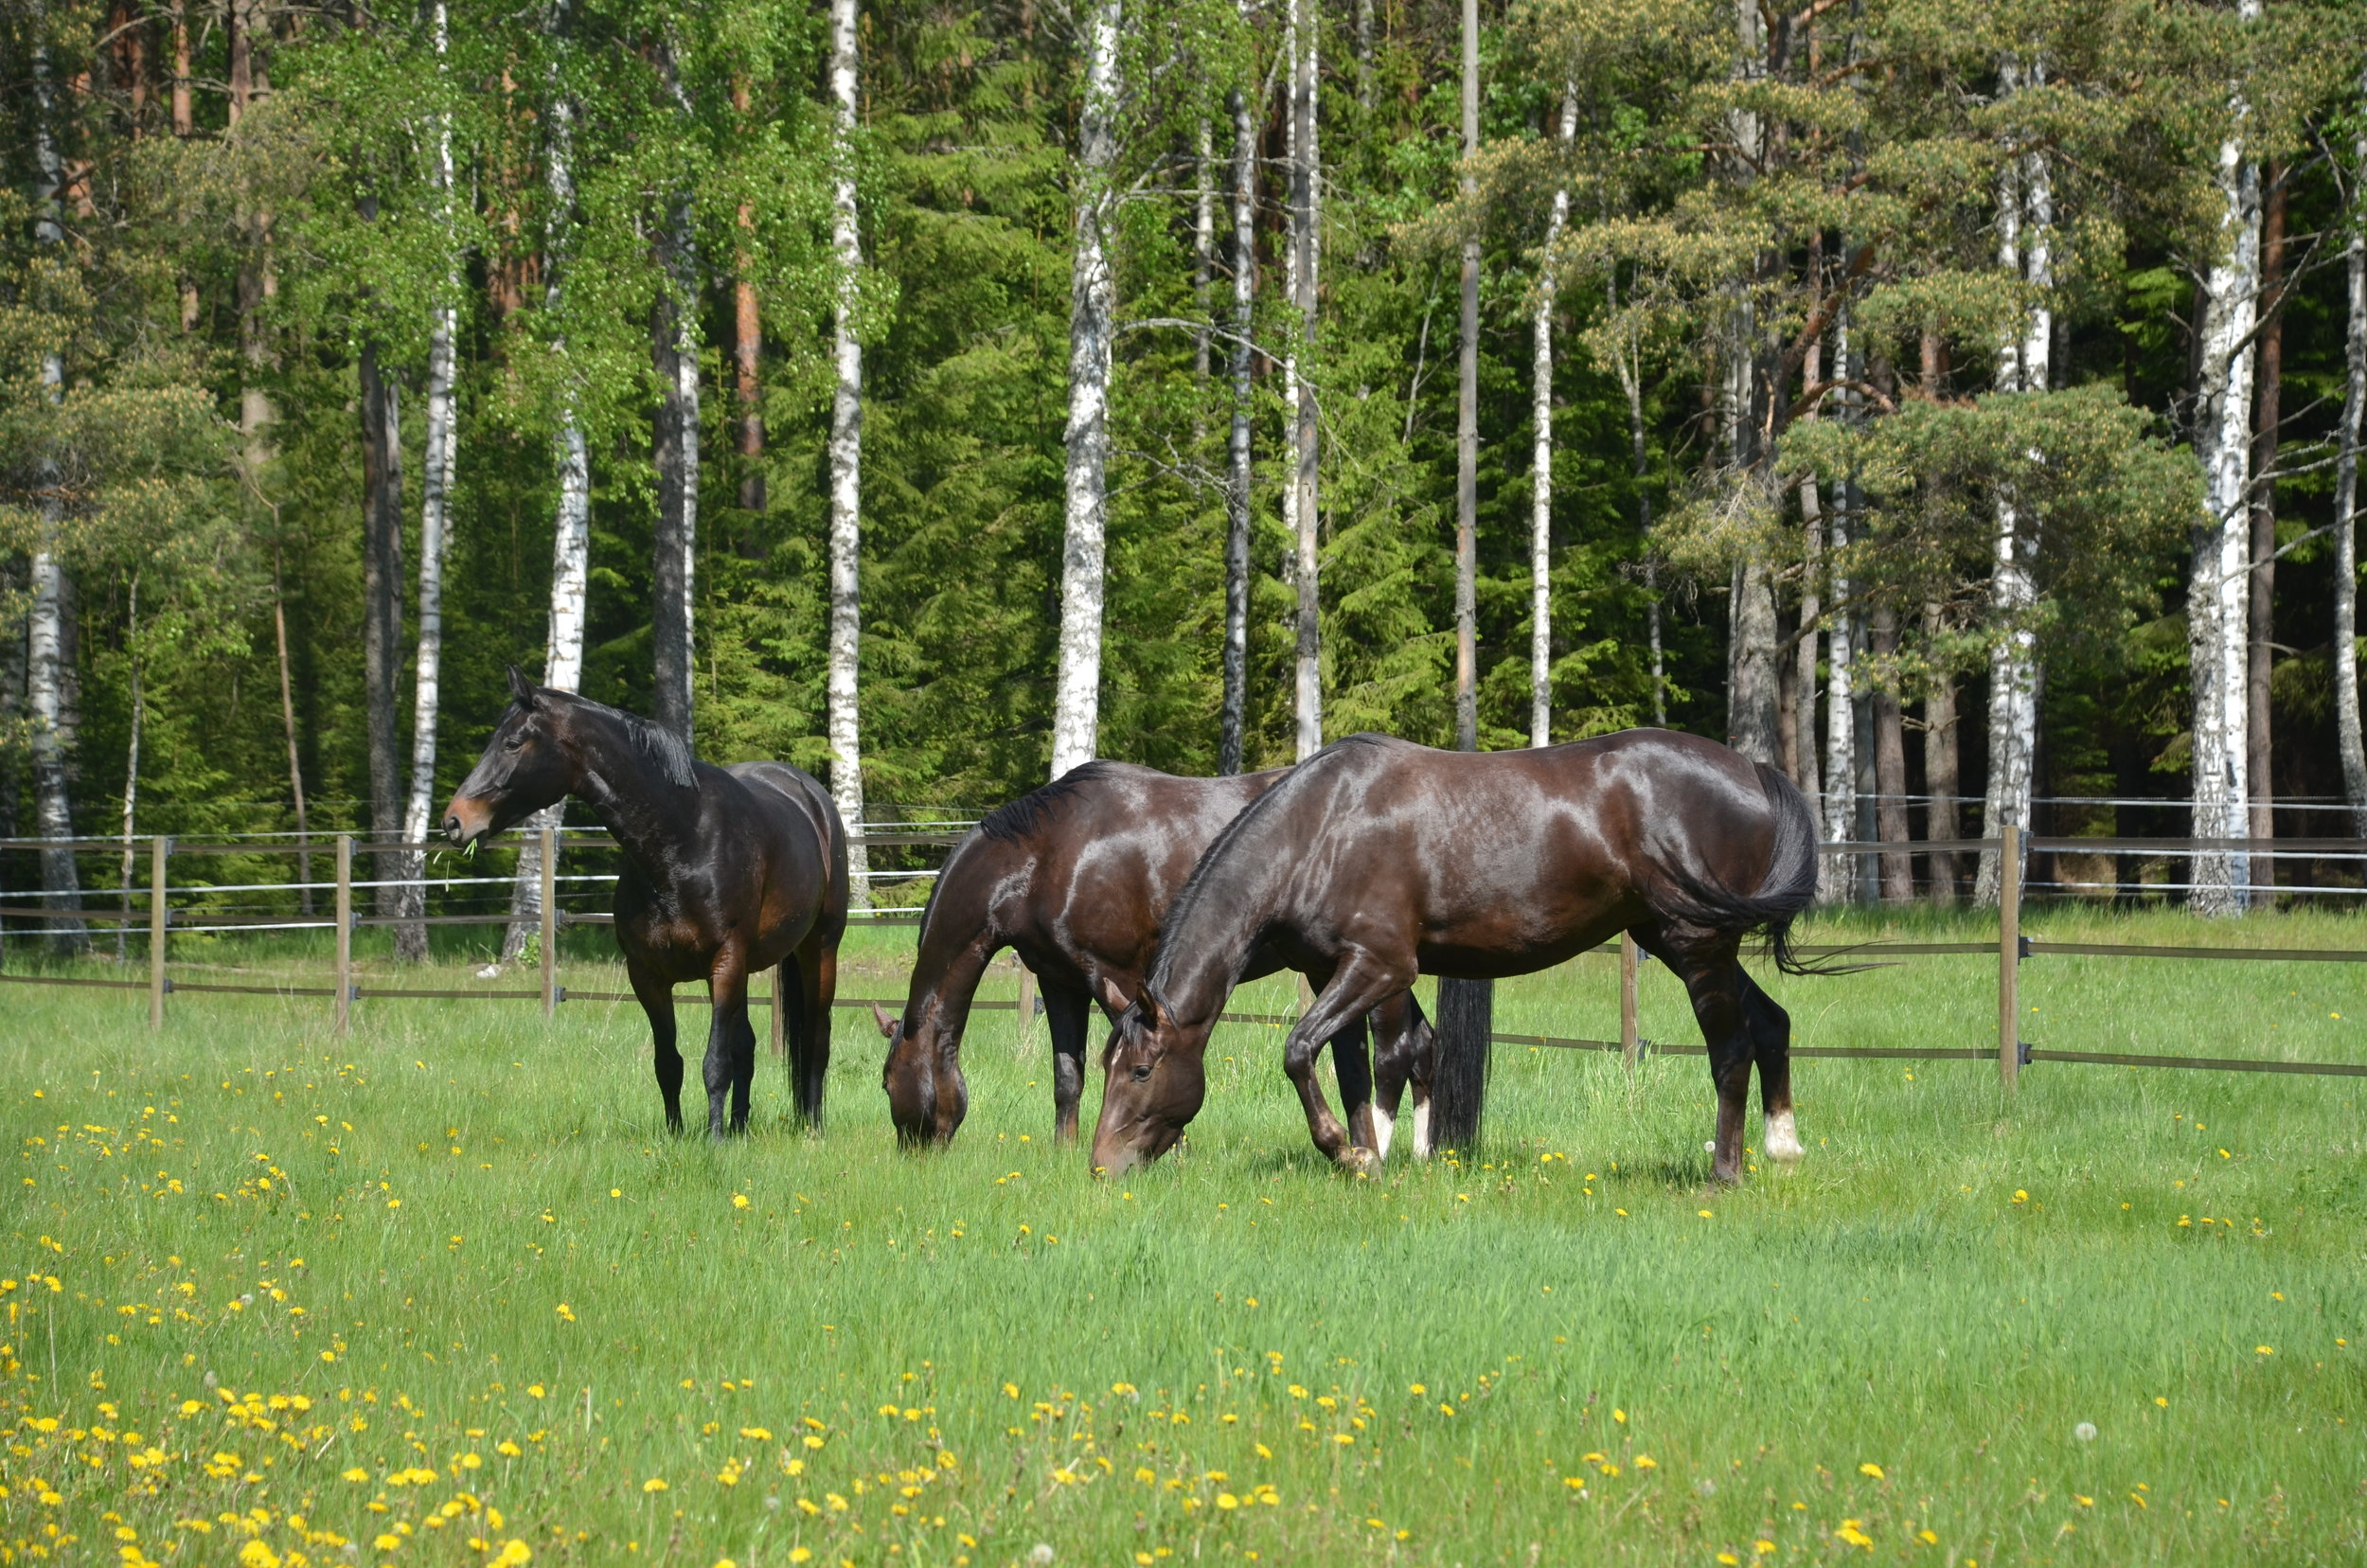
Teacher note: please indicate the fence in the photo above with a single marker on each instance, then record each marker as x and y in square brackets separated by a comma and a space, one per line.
[2011, 949]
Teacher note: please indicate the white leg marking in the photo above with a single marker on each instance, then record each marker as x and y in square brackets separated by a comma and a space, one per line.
[1422, 1126]
[1383, 1124]
[1783, 1138]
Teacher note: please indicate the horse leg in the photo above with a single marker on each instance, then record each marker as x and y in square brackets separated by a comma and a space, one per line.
[1352, 1064]
[1068, 1013]
[1356, 986]
[731, 1045]
[1770, 1040]
[656, 996]
[1402, 1042]
[817, 966]
[1715, 982]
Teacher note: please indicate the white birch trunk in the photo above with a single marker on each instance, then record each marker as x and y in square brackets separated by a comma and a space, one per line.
[47, 655]
[2025, 220]
[571, 536]
[846, 697]
[1836, 879]
[1306, 212]
[1076, 699]
[1542, 461]
[436, 480]
[2220, 578]
[2346, 722]
[130, 765]
[674, 355]
[1234, 715]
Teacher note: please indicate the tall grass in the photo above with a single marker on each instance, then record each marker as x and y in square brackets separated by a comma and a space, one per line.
[464, 1291]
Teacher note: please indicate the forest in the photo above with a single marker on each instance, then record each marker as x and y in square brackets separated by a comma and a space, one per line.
[1957, 405]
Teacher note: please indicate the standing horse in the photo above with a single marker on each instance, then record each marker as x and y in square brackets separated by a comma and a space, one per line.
[1377, 860]
[728, 872]
[1075, 877]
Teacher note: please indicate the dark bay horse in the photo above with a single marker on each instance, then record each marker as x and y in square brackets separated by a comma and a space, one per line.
[1377, 860]
[728, 872]
[1075, 877]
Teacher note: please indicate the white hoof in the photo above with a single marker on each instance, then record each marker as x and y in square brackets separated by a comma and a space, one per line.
[1782, 1137]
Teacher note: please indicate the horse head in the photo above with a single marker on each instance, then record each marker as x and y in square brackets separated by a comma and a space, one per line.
[927, 1097]
[526, 766]
[1154, 1083]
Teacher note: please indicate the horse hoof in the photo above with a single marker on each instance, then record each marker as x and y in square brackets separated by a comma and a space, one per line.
[1362, 1161]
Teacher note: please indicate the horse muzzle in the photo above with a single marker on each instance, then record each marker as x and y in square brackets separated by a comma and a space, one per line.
[466, 822]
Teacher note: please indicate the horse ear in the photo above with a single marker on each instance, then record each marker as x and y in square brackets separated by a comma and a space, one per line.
[1153, 1014]
[887, 1024]
[520, 689]
[1112, 998]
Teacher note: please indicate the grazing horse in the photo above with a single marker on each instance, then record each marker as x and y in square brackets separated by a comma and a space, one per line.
[728, 872]
[1377, 860]
[1075, 877]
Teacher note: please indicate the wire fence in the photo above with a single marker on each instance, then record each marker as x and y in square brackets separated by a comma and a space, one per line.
[162, 918]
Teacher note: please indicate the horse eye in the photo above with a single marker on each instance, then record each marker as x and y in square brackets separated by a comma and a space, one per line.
[1142, 1072]
[513, 743]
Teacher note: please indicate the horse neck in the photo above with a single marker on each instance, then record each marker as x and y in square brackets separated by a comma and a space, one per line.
[648, 815]
[957, 932]
[1217, 921]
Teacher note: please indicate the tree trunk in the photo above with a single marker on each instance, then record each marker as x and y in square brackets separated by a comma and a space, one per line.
[747, 357]
[381, 613]
[130, 763]
[184, 126]
[436, 468]
[2216, 611]
[1630, 365]
[1467, 413]
[846, 693]
[48, 652]
[1236, 710]
[2025, 208]
[2346, 720]
[570, 535]
[2260, 631]
[1841, 732]
[1305, 197]
[287, 717]
[1890, 761]
[1077, 703]
[1811, 776]
[674, 356]
[1942, 782]
[1542, 462]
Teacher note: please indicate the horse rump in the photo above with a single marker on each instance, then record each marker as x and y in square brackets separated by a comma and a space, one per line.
[1788, 886]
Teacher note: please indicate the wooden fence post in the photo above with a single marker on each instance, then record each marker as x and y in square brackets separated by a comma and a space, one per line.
[345, 932]
[1026, 1003]
[1630, 1038]
[2009, 956]
[550, 923]
[156, 915]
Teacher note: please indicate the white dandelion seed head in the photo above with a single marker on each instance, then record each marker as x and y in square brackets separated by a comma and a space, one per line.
[1040, 1553]
[2085, 1432]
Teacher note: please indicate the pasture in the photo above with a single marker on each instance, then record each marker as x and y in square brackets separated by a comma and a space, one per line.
[444, 1292]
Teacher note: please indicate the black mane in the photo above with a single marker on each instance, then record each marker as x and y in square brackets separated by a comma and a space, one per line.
[651, 739]
[1016, 819]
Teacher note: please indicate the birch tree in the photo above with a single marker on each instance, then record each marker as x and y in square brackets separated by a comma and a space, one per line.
[1542, 461]
[2219, 575]
[844, 692]
[1306, 181]
[1076, 698]
[2025, 221]
[571, 541]
[47, 655]
[1234, 713]
[438, 465]
[2347, 738]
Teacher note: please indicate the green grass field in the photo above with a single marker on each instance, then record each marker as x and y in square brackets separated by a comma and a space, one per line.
[445, 1292]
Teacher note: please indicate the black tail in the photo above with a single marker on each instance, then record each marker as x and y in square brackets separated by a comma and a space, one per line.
[1787, 888]
[1458, 1092]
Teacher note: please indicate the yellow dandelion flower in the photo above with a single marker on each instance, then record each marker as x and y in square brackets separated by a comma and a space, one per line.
[1730, 1560]
[1761, 1548]
[566, 1313]
[1226, 1500]
[1645, 1461]
[1707, 1214]
[756, 1435]
[800, 1554]
[740, 1200]
[2264, 1350]
[654, 1484]
[1869, 1468]
[357, 1474]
